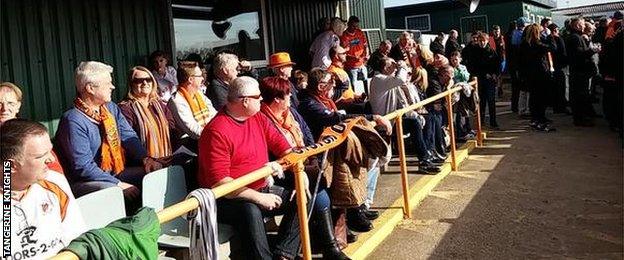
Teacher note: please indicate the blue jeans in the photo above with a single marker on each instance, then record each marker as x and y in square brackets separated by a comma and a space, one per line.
[363, 73]
[371, 186]
[434, 136]
[416, 139]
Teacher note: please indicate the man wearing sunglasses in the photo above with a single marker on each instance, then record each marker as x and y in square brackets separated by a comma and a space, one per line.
[233, 144]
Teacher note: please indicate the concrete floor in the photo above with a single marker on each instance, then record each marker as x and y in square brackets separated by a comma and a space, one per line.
[526, 195]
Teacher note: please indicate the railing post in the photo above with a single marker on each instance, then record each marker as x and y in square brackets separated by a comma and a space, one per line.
[302, 211]
[478, 112]
[407, 213]
[449, 114]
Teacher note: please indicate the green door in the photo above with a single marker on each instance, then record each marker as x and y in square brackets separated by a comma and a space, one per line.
[470, 24]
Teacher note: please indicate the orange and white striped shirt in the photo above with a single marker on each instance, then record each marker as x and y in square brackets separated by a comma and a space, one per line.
[45, 219]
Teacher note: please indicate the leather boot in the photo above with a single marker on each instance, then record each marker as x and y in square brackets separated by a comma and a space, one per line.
[326, 235]
[357, 221]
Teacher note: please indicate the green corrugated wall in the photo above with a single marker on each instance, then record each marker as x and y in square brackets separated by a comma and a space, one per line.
[293, 25]
[44, 40]
[370, 12]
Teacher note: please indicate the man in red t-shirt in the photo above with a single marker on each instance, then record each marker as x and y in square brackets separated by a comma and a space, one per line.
[233, 144]
[354, 40]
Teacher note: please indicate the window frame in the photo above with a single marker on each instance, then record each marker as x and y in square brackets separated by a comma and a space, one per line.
[265, 32]
[415, 16]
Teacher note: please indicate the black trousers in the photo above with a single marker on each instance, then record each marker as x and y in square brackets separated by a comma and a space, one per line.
[558, 98]
[248, 220]
[579, 97]
[515, 89]
[487, 97]
[612, 104]
[540, 89]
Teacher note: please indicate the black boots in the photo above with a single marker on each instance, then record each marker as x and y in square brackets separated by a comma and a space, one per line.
[326, 235]
[370, 214]
[357, 221]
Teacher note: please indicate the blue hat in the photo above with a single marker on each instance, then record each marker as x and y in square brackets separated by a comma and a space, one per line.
[522, 21]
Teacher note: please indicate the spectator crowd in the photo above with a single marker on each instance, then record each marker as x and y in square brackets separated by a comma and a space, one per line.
[220, 120]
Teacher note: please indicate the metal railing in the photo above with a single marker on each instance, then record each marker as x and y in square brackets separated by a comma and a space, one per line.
[294, 161]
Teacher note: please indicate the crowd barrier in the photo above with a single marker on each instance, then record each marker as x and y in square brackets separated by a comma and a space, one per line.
[294, 161]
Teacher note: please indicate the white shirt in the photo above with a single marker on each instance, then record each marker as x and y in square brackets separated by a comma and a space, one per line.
[167, 84]
[45, 220]
[183, 115]
[320, 49]
[386, 94]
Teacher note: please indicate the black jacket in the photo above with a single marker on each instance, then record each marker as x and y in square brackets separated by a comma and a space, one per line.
[482, 62]
[560, 55]
[450, 47]
[533, 59]
[579, 55]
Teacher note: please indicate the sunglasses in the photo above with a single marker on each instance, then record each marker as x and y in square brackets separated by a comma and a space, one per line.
[252, 96]
[141, 80]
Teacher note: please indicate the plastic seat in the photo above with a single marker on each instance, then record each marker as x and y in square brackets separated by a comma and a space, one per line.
[164, 188]
[91, 207]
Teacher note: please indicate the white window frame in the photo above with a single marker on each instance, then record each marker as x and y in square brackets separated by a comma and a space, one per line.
[265, 31]
[419, 15]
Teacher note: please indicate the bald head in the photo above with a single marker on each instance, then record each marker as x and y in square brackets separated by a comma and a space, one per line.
[241, 87]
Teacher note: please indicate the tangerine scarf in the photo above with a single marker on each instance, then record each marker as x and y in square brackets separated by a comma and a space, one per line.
[153, 128]
[198, 106]
[111, 150]
[327, 102]
[287, 124]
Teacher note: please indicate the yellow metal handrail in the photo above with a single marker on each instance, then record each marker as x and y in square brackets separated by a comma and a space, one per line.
[183, 207]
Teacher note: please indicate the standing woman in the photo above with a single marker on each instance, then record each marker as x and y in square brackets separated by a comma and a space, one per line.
[165, 75]
[149, 117]
[536, 68]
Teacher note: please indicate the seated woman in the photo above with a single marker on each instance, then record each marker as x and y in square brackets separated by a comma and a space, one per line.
[10, 104]
[150, 118]
[316, 105]
[276, 106]
[165, 75]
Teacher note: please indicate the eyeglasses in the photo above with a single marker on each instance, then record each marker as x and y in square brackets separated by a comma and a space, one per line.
[252, 96]
[141, 80]
[329, 82]
[198, 76]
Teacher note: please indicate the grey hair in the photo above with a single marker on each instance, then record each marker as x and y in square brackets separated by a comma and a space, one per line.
[90, 72]
[224, 59]
[241, 86]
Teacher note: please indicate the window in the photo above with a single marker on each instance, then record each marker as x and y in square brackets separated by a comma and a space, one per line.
[420, 22]
[205, 27]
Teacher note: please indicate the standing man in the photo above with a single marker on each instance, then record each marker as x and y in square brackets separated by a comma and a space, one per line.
[519, 93]
[560, 61]
[319, 50]
[484, 65]
[580, 57]
[354, 40]
[451, 44]
[44, 213]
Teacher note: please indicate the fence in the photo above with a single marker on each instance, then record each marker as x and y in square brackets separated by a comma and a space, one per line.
[294, 161]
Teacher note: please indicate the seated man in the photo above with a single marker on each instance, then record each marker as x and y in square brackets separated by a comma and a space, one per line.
[44, 213]
[388, 93]
[97, 146]
[226, 67]
[233, 144]
[190, 109]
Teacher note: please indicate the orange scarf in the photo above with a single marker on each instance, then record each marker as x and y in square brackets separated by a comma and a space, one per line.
[153, 128]
[327, 102]
[198, 106]
[287, 124]
[111, 150]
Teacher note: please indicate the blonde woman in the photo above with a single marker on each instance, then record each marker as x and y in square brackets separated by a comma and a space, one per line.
[146, 114]
[535, 68]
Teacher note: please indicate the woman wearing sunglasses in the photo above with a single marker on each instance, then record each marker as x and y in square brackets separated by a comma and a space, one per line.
[150, 118]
